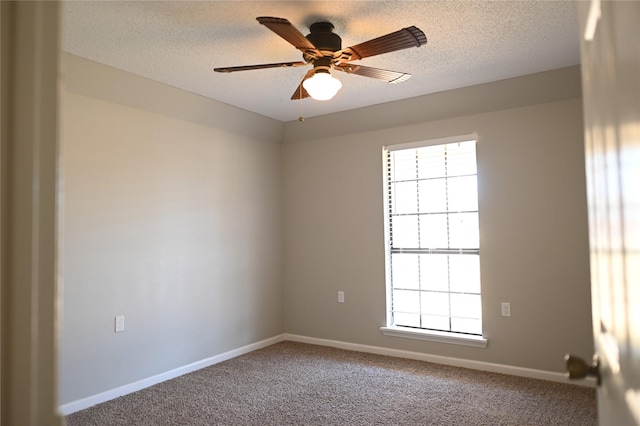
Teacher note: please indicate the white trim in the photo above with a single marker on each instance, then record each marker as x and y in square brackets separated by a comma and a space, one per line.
[445, 360]
[429, 142]
[90, 401]
[435, 336]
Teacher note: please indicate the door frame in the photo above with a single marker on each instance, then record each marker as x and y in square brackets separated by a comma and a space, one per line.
[29, 54]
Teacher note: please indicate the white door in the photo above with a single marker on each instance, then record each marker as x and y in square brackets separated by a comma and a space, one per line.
[611, 90]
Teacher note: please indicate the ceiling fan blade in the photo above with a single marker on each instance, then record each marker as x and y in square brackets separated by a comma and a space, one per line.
[401, 39]
[284, 29]
[261, 66]
[380, 74]
[301, 92]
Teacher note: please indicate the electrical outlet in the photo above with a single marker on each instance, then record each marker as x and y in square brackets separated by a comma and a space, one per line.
[506, 309]
[341, 296]
[119, 323]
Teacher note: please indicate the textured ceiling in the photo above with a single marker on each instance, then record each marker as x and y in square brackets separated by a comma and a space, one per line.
[180, 42]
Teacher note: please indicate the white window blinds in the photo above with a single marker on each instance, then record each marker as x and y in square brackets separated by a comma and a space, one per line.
[433, 236]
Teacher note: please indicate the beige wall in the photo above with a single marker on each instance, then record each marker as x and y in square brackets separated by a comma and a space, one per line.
[533, 223]
[172, 218]
[211, 228]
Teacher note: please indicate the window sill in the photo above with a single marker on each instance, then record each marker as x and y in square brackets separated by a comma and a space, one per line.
[435, 336]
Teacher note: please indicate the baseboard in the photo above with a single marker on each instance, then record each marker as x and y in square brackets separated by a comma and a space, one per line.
[90, 401]
[438, 359]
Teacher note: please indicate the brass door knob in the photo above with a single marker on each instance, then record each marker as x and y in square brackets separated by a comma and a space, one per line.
[577, 368]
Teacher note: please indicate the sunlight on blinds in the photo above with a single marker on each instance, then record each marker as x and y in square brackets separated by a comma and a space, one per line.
[433, 234]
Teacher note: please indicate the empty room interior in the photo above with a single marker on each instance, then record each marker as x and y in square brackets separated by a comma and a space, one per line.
[205, 229]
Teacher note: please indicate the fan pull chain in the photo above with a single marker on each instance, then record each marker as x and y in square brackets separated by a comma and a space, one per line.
[301, 117]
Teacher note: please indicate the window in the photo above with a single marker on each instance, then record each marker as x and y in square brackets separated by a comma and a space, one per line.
[432, 236]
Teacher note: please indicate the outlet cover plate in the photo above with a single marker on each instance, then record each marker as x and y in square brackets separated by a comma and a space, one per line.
[119, 323]
[506, 309]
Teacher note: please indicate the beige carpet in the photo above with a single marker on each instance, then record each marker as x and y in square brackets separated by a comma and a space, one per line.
[298, 384]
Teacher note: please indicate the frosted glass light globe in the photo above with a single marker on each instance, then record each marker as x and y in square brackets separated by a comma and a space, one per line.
[322, 86]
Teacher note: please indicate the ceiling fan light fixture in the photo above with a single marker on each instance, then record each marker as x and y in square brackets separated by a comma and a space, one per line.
[322, 49]
[322, 86]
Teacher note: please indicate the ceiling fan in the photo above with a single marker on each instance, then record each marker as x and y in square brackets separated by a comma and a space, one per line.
[322, 48]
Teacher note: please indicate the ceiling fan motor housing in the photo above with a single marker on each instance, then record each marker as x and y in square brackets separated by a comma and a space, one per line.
[323, 37]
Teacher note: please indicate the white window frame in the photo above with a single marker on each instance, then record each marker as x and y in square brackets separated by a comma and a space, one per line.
[409, 332]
